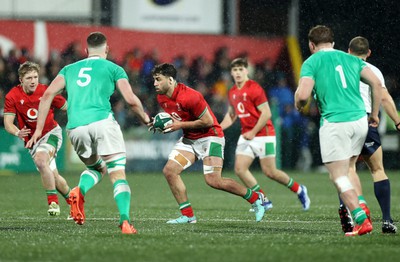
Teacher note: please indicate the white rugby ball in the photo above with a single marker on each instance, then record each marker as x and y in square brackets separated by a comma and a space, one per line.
[161, 120]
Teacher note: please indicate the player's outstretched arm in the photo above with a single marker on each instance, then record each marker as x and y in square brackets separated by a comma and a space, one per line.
[133, 101]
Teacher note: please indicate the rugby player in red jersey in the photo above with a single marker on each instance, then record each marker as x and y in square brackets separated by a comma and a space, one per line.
[249, 103]
[22, 102]
[203, 139]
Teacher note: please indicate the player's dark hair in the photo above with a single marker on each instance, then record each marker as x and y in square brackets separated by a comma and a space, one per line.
[26, 67]
[164, 69]
[239, 62]
[359, 45]
[320, 34]
[96, 39]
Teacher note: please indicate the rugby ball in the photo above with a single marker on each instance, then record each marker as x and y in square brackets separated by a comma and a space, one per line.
[161, 120]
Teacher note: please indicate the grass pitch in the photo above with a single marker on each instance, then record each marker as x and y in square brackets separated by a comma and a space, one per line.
[225, 231]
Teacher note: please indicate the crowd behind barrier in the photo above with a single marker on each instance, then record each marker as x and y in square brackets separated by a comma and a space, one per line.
[299, 135]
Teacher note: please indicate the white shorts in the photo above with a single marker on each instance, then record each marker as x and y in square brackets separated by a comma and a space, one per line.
[259, 146]
[102, 137]
[50, 143]
[341, 141]
[203, 147]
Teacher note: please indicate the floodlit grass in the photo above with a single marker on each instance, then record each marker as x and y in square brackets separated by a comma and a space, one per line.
[225, 231]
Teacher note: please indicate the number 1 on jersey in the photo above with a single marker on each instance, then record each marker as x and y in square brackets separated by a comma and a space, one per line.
[339, 68]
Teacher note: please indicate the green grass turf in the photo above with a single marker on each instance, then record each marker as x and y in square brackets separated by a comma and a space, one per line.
[225, 231]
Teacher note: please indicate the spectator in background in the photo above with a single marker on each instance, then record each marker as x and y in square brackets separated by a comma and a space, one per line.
[13, 59]
[11, 69]
[133, 63]
[150, 59]
[53, 65]
[180, 61]
[181, 64]
[267, 74]
[282, 96]
[24, 56]
[200, 71]
[72, 53]
[219, 94]
[220, 64]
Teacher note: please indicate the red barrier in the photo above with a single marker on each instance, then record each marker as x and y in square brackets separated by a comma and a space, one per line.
[168, 45]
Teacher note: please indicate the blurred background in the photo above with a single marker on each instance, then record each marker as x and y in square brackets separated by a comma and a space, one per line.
[200, 38]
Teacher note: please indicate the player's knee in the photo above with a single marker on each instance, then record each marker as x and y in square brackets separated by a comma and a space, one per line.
[239, 171]
[116, 163]
[376, 168]
[270, 171]
[44, 154]
[40, 164]
[170, 170]
[41, 161]
[212, 176]
[213, 181]
[379, 175]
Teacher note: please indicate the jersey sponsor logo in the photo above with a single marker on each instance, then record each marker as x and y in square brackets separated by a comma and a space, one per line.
[176, 116]
[240, 107]
[32, 114]
[243, 115]
[242, 111]
[22, 101]
[370, 144]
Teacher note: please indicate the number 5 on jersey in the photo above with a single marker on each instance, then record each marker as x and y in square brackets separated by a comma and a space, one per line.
[84, 77]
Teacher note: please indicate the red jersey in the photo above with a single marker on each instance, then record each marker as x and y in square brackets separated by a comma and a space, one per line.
[186, 104]
[25, 107]
[245, 102]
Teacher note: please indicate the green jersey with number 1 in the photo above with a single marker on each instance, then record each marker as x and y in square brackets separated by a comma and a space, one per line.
[90, 83]
[337, 84]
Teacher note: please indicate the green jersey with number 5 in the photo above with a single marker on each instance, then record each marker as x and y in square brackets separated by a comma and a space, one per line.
[90, 83]
[337, 84]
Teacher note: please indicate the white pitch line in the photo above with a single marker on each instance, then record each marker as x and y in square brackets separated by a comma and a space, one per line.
[166, 219]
